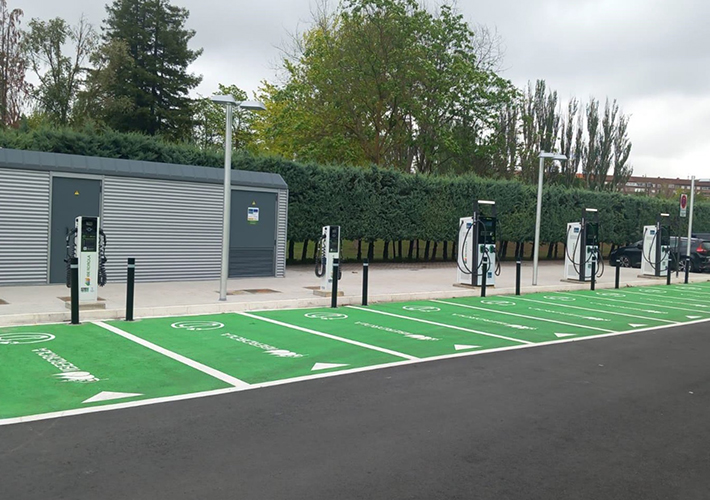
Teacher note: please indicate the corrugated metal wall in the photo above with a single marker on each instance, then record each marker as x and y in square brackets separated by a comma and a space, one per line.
[173, 229]
[281, 236]
[24, 226]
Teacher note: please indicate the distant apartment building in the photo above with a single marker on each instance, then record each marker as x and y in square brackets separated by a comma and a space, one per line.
[654, 186]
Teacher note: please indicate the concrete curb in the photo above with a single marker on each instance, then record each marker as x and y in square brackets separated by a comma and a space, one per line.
[308, 302]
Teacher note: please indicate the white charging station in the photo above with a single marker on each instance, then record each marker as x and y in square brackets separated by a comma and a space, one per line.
[329, 251]
[656, 248]
[582, 250]
[476, 246]
[87, 247]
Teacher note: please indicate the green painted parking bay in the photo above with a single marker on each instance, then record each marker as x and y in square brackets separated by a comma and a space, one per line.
[411, 338]
[646, 306]
[511, 321]
[253, 350]
[565, 314]
[53, 368]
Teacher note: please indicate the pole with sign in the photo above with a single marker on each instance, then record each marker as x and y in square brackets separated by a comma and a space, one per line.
[690, 219]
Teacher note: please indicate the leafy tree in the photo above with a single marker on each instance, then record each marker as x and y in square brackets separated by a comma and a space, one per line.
[13, 66]
[389, 83]
[151, 41]
[61, 76]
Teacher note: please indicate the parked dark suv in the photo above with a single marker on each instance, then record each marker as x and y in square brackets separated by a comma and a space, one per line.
[630, 256]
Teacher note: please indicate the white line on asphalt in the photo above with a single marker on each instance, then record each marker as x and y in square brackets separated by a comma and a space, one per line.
[441, 324]
[535, 318]
[177, 357]
[329, 336]
[657, 306]
[217, 392]
[551, 303]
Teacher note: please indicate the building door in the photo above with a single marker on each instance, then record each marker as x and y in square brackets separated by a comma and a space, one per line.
[252, 248]
[71, 197]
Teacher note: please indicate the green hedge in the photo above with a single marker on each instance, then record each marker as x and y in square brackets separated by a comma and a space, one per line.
[380, 204]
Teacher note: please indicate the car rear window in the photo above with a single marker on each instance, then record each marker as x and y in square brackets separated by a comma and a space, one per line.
[706, 245]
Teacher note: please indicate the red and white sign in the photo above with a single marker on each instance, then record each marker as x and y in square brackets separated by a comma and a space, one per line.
[683, 204]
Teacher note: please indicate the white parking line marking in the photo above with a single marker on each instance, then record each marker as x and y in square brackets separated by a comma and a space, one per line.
[534, 318]
[558, 304]
[657, 306]
[444, 325]
[173, 355]
[329, 336]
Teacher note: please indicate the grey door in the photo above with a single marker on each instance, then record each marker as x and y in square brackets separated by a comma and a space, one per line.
[70, 198]
[253, 234]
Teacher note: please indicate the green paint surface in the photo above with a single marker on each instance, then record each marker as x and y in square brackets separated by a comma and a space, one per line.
[32, 385]
[257, 351]
[402, 335]
[252, 350]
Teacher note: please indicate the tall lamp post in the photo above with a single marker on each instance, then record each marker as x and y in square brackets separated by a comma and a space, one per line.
[536, 249]
[229, 102]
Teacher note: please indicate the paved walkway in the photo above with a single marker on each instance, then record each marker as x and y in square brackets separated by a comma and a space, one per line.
[388, 282]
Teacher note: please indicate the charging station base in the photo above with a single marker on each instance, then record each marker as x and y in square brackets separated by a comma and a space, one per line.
[326, 293]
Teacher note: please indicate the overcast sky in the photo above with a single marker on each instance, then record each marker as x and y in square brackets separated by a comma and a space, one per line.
[653, 56]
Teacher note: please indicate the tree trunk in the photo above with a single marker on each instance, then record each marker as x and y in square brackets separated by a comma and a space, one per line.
[426, 250]
[555, 251]
[291, 249]
[433, 250]
[371, 251]
[454, 250]
[549, 251]
[417, 249]
[503, 250]
[399, 249]
[446, 251]
[359, 250]
[386, 250]
[411, 250]
[304, 252]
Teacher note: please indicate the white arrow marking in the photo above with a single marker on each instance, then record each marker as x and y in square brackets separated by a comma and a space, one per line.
[565, 334]
[635, 325]
[461, 347]
[325, 366]
[693, 317]
[108, 395]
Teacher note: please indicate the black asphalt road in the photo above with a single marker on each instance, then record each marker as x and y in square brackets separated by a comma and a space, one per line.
[623, 417]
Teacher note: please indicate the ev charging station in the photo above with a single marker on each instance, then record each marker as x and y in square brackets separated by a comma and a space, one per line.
[87, 243]
[329, 251]
[476, 245]
[656, 247]
[582, 249]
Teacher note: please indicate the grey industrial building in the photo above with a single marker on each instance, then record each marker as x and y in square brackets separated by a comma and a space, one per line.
[167, 216]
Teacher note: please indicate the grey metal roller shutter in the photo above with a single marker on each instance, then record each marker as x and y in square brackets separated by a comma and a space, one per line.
[172, 228]
[24, 226]
[281, 228]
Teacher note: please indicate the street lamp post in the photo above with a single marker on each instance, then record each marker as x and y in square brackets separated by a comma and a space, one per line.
[229, 102]
[536, 249]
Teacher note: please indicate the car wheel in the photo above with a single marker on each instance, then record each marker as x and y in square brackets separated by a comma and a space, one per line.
[624, 261]
[681, 266]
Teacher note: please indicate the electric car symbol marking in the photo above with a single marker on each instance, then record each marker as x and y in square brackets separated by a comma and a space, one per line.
[425, 309]
[498, 302]
[24, 338]
[196, 326]
[611, 294]
[560, 298]
[325, 315]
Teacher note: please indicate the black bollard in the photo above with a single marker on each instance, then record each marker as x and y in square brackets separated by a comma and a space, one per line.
[130, 288]
[334, 291]
[668, 273]
[618, 275]
[687, 268]
[365, 267]
[594, 273]
[518, 270]
[74, 291]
